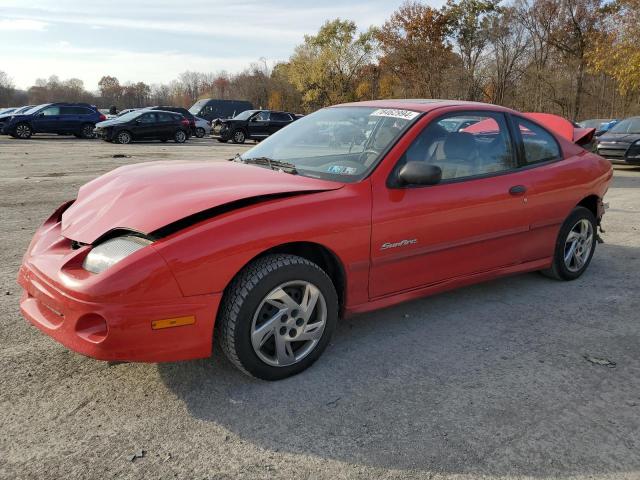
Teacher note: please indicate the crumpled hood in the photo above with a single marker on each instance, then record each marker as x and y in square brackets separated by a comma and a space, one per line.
[146, 197]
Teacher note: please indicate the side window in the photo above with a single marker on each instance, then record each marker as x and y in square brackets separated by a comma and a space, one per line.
[464, 145]
[262, 117]
[148, 118]
[280, 117]
[164, 117]
[47, 112]
[539, 145]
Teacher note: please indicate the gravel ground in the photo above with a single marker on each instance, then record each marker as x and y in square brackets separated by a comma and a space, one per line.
[489, 381]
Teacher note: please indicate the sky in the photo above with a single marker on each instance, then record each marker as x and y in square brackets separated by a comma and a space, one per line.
[155, 40]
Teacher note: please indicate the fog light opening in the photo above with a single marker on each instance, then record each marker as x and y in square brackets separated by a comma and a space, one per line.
[92, 328]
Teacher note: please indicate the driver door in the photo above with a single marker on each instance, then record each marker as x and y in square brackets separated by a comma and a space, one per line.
[46, 121]
[258, 126]
[471, 222]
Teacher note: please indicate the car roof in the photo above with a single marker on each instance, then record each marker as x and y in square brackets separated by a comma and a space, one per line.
[423, 104]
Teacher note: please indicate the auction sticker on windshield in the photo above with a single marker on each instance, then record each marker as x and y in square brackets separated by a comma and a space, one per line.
[395, 113]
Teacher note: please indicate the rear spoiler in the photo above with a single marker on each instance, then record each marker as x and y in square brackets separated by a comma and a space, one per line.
[563, 127]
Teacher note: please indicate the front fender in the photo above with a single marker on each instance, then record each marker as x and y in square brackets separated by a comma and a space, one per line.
[205, 257]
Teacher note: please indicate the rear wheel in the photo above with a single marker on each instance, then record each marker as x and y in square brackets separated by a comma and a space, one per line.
[87, 130]
[277, 316]
[575, 246]
[238, 136]
[180, 136]
[200, 132]
[23, 130]
[124, 137]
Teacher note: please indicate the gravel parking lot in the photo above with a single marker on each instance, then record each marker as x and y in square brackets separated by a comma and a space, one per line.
[499, 380]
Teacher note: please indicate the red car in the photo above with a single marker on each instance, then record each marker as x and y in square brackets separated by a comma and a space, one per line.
[350, 209]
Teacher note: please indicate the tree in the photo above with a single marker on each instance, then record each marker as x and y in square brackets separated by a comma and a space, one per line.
[470, 20]
[110, 90]
[324, 69]
[7, 89]
[415, 49]
[617, 50]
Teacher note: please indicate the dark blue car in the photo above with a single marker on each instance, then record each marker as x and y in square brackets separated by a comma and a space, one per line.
[77, 119]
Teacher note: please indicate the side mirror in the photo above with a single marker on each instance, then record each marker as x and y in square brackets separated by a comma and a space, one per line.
[419, 173]
[254, 119]
[138, 122]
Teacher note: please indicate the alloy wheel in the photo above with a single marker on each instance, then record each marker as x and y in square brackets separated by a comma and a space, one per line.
[289, 323]
[238, 136]
[578, 245]
[180, 136]
[124, 137]
[87, 131]
[23, 131]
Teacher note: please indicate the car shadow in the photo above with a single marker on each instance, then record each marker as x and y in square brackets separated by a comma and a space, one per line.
[493, 379]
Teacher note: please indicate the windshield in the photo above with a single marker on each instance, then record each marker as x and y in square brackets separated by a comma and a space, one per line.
[197, 107]
[35, 109]
[244, 115]
[339, 143]
[130, 115]
[630, 125]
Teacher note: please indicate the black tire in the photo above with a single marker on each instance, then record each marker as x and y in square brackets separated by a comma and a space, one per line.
[244, 296]
[86, 131]
[559, 268]
[180, 136]
[22, 131]
[238, 136]
[200, 132]
[123, 137]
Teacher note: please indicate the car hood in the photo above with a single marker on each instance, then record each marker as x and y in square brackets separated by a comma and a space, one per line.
[624, 138]
[146, 197]
[109, 123]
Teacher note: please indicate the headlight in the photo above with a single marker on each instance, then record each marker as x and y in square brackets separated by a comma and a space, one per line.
[112, 251]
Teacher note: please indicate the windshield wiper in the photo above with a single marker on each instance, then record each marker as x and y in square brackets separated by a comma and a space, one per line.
[269, 162]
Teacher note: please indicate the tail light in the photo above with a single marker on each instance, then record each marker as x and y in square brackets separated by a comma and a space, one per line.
[185, 122]
[102, 117]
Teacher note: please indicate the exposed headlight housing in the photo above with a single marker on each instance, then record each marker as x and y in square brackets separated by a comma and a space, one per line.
[108, 253]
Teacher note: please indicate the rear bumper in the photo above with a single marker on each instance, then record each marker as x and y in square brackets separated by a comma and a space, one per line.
[119, 331]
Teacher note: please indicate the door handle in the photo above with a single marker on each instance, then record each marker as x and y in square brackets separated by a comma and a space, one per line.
[518, 190]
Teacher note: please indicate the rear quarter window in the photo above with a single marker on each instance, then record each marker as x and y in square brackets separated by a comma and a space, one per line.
[538, 144]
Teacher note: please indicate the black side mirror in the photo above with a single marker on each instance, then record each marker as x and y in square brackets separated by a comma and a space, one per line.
[419, 173]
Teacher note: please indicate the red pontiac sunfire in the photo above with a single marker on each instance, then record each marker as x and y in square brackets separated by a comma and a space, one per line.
[353, 208]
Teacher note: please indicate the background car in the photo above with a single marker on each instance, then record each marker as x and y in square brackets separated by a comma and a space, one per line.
[4, 117]
[7, 110]
[144, 125]
[601, 125]
[622, 142]
[203, 127]
[213, 109]
[252, 125]
[182, 111]
[78, 119]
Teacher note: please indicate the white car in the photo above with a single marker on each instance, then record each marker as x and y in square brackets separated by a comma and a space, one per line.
[203, 127]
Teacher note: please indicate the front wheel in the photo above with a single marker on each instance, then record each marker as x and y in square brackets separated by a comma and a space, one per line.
[277, 316]
[23, 131]
[238, 136]
[575, 245]
[200, 132]
[124, 137]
